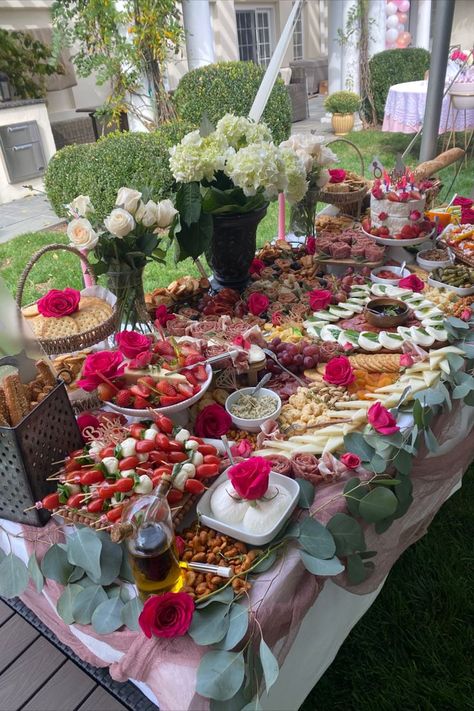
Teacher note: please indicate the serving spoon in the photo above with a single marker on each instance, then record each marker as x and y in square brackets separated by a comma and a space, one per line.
[271, 355]
[262, 382]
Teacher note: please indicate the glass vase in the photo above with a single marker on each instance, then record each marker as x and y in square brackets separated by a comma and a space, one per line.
[127, 285]
[303, 215]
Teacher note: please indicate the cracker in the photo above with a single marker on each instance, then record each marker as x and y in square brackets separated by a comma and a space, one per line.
[376, 363]
[87, 320]
[30, 311]
[59, 328]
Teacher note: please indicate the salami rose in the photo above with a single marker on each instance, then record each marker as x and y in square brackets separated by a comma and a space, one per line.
[330, 469]
[280, 464]
[305, 466]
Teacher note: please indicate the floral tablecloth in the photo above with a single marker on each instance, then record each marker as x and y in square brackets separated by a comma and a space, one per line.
[285, 594]
[405, 110]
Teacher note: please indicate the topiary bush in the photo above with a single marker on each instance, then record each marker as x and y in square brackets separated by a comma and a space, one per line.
[342, 102]
[395, 66]
[136, 160]
[217, 89]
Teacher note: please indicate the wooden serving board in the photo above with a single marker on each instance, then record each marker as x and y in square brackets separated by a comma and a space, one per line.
[349, 262]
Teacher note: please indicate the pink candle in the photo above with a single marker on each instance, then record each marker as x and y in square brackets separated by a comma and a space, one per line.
[85, 274]
[281, 216]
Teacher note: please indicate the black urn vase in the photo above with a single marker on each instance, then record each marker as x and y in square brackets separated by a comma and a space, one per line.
[233, 247]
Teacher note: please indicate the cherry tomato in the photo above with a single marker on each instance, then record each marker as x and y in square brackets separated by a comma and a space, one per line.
[137, 430]
[207, 449]
[50, 502]
[178, 457]
[106, 491]
[114, 514]
[162, 442]
[174, 495]
[144, 446]
[206, 470]
[95, 505]
[194, 486]
[71, 465]
[128, 463]
[164, 469]
[164, 424]
[93, 476]
[159, 456]
[124, 485]
[211, 459]
[156, 478]
[74, 477]
[175, 446]
[199, 440]
[75, 501]
[107, 452]
[77, 453]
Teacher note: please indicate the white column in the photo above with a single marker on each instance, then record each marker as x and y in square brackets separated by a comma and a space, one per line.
[377, 19]
[335, 22]
[423, 24]
[198, 29]
[350, 51]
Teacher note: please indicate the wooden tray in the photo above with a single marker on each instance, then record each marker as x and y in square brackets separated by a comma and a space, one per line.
[348, 262]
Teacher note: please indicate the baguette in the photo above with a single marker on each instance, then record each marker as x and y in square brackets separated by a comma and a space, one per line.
[430, 167]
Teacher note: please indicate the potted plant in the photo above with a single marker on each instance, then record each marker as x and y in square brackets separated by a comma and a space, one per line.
[342, 105]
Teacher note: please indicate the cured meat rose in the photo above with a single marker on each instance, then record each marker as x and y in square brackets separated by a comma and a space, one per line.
[280, 464]
[330, 468]
[305, 466]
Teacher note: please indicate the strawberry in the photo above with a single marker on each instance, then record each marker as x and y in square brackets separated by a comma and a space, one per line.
[164, 348]
[140, 403]
[392, 196]
[123, 398]
[190, 377]
[186, 389]
[200, 373]
[147, 380]
[140, 390]
[168, 400]
[165, 388]
[384, 231]
[194, 486]
[193, 358]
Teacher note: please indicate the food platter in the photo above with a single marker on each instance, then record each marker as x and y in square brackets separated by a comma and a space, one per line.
[400, 242]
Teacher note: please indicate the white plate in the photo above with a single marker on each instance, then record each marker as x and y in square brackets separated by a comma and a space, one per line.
[457, 290]
[171, 410]
[390, 242]
[235, 530]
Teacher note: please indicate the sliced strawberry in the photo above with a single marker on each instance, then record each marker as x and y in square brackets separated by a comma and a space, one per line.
[140, 403]
[167, 400]
[193, 358]
[200, 373]
[140, 391]
[186, 389]
[123, 398]
[196, 389]
[190, 377]
[147, 380]
[164, 348]
[165, 388]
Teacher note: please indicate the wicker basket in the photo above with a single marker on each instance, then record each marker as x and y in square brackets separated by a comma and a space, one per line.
[78, 341]
[349, 202]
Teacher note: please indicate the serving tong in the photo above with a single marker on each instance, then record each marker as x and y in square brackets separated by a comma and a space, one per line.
[272, 355]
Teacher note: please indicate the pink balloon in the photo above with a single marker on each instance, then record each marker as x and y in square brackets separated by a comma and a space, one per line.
[403, 40]
[391, 8]
[403, 18]
[404, 5]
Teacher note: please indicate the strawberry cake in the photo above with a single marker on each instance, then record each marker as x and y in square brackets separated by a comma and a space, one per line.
[397, 209]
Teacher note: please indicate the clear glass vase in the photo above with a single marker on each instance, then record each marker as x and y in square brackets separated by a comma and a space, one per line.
[127, 285]
[303, 215]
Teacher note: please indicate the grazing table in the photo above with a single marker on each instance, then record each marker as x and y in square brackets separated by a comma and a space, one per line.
[405, 110]
[305, 619]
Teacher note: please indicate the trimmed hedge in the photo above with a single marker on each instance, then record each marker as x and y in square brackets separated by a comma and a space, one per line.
[217, 89]
[134, 160]
[395, 66]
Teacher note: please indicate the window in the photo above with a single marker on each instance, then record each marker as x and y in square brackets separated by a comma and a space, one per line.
[298, 37]
[254, 34]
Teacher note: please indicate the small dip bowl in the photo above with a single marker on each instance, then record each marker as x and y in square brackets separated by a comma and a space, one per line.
[252, 424]
[386, 313]
[376, 275]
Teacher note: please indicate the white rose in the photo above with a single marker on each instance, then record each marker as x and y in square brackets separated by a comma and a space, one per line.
[307, 159]
[165, 213]
[81, 234]
[150, 214]
[81, 205]
[140, 211]
[128, 199]
[323, 178]
[119, 222]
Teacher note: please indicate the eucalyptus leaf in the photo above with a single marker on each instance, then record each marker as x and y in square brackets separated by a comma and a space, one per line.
[469, 399]
[418, 414]
[113, 591]
[269, 664]
[107, 617]
[457, 323]
[238, 625]
[86, 602]
[386, 482]
[124, 593]
[403, 492]
[266, 563]
[2, 554]
[377, 464]
[55, 565]
[84, 548]
[306, 497]
[367, 554]
[238, 702]
[14, 576]
[209, 625]
[456, 362]
[130, 613]
[354, 442]
[356, 570]
[353, 493]
[125, 572]
[319, 566]
[65, 603]
[431, 441]
[292, 530]
[403, 462]
[110, 560]
[254, 705]
[383, 525]
[224, 596]
[430, 397]
[220, 674]
[316, 539]
[461, 390]
[347, 534]
[35, 572]
[76, 575]
[377, 504]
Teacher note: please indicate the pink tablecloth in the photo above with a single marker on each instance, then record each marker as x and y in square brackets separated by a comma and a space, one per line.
[287, 591]
[405, 110]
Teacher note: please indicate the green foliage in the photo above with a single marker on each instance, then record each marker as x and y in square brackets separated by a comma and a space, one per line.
[342, 102]
[133, 160]
[394, 66]
[220, 674]
[306, 493]
[14, 576]
[27, 62]
[231, 87]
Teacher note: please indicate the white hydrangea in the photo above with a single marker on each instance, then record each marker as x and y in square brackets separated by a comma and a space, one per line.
[240, 131]
[197, 158]
[295, 174]
[258, 165]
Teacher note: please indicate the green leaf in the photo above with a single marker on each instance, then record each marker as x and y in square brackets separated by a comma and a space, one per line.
[377, 464]
[316, 539]
[14, 576]
[107, 617]
[469, 399]
[457, 323]
[354, 442]
[431, 441]
[238, 625]
[254, 705]
[377, 504]
[124, 594]
[188, 203]
[84, 548]
[131, 612]
[220, 674]
[292, 530]
[77, 574]
[224, 596]
[209, 625]
[430, 397]
[353, 493]
[456, 362]
[85, 603]
[386, 482]
[113, 590]
[347, 533]
[125, 572]
[110, 560]
[356, 570]
[384, 525]
[318, 566]
[193, 240]
[269, 664]
[266, 563]
[403, 462]
[35, 572]
[306, 497]
[418, 414]
[65, 603]
[55, 565]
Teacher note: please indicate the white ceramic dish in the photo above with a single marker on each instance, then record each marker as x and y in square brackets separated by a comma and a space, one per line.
[236, 530]
[169, 411]
[399, 242]
[394, 282]
[428, 265]
[457, 290]
[252, 425]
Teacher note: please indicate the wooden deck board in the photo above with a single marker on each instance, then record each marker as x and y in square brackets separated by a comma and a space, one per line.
[5, 612]
[101, 700]
[16, 635]
[65, 690]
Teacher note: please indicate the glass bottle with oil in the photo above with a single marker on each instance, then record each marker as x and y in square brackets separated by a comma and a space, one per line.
[151, 546]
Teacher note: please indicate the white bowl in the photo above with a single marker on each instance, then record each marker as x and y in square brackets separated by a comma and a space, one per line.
[252, 425]
[394, 282]
[172, 409]
[391, 242]
[206, 515]
[428, 264]
[460, 291]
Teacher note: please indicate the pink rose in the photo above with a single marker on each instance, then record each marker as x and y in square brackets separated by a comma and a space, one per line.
[406, 360]
[57, 303]
[383, 216]
[319, 299]
[352, 461]
[339, 371]
[463, 201]
[131, 343]
[212, 421]
[414, 215]
[338, 175]
[382, 420]
[162, 315]
[257, 303]
[277, 318]
[348, 346]
[466, 314]
[243, 449]
[87, 422]
[167, 615]
[256, 267]
[99, 367]
[412, 282]
[250, 478]
[311, 245]
[241, 342]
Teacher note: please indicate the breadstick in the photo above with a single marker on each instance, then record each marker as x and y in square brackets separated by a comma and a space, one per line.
[3, 407]
[15, 398]
[45, 373]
